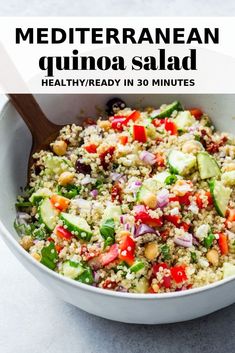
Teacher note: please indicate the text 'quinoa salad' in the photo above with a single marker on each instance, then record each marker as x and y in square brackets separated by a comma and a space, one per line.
[141, 202]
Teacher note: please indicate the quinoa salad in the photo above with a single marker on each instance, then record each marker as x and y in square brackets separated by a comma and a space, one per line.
[140, 201]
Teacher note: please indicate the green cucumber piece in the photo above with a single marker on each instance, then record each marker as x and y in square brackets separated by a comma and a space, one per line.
[77, 226]
[228, 178]
[220, 195]
[56, 165]
[86, 277]
[181, 163]
[72, 269]
[112, 212]
[183, 120]
[48, 214]
[170, 108]
[40, 194]
[207, 165]
[137, 266]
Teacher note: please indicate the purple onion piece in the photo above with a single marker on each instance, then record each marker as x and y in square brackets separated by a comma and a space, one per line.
[94, 193]
[144, 229]
[195, 241]
[185, 241]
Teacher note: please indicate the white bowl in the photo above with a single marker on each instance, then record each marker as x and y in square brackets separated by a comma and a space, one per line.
[132, 308]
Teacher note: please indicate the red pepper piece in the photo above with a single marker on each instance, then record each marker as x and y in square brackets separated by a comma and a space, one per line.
[178, 274]
[127, 250]
[139, 133]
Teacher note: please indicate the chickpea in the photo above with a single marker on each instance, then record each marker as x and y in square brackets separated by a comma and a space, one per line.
[104, 124]
[229, 167]
[66, 178]
[26, 242]
[213, 257]
[60, 148]
[151, 251]
[150, 200]
[36, 256]
[192, 147]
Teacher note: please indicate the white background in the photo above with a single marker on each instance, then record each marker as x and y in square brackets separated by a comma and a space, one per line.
[32, 320]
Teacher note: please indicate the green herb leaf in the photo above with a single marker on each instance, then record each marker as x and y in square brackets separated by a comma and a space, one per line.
[193, 257]
[165, 251]
[208, 241]
[49, 256]
[86, 277]
[171, 179]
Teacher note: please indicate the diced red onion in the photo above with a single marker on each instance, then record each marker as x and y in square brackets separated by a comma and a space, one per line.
[121, 289]
[185, 240]
[144, 229]
[116, 176]
[163, 198]
[94, 193]
[147, 157]
[96, 276]
[134, 186]
[127, 226]
[139, 208]
[195, 241]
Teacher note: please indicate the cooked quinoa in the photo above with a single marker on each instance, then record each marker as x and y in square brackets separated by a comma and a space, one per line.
[141, 202]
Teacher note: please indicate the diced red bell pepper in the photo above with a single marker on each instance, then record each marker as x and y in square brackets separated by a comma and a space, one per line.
[175, 219]
[108, 284]
[156, 267]
[223, 243]
[133, 116]
[142, 215]
[185, 226]
[109, 256]
[127, 250]
[166, 281]
[184, 200]
[197, 113]
[231, 215]
[103, 155]
[139, 133]
[123, 140]
[165, 234]
[199, 199]
[178, 274]
[117, 122]
[174, 199]
[60, 202]
[63, 233]
[158, 122]
[171, 127]
[116, 192]
[59, 248]
[91, 148]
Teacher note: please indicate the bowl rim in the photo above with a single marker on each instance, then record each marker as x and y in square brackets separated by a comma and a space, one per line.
[8, 238]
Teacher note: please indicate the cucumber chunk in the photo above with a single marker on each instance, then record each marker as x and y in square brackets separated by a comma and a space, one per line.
[220, 195]
[181, 163]
[40, 194]
[56, 165]
[112, 212]
[137, 266]
[183, 120]
[228, 178]
[72, 269]
[48, 214]
[77, 225]
[170, 108]
[207, 165]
